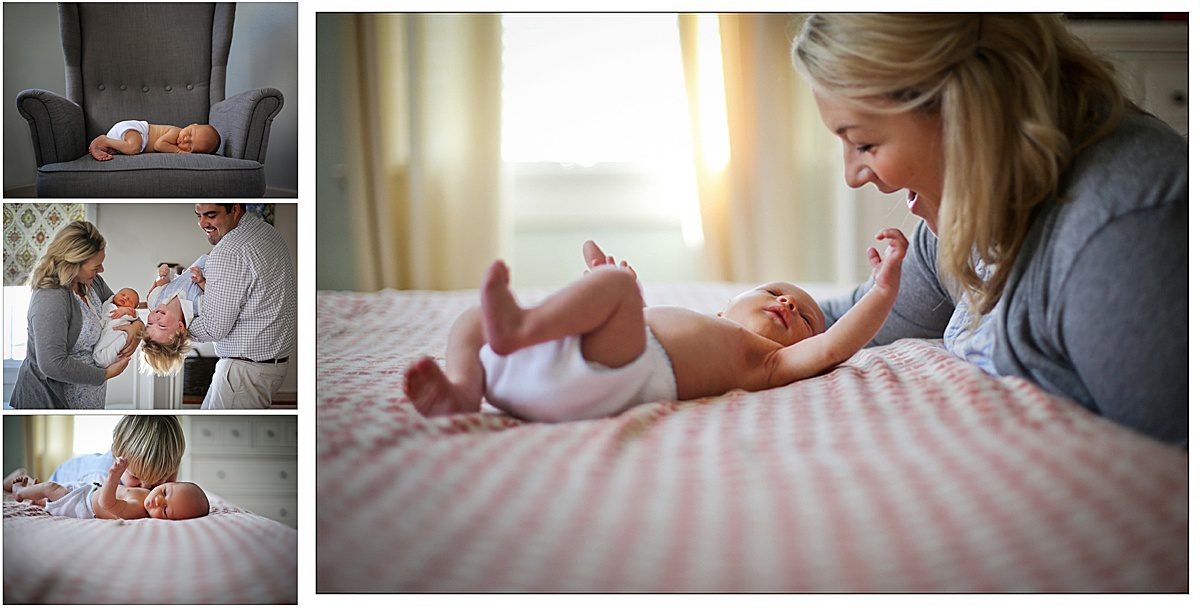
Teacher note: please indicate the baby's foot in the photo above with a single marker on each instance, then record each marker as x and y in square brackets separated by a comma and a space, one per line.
[502, 316]
[12, 477]
[96, 149]
[432, 392]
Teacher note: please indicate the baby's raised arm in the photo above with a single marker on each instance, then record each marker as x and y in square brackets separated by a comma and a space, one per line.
[824, 351]
[108, 506]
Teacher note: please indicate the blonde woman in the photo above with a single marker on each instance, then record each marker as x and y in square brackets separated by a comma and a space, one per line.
[65, 322]
[1053, 244]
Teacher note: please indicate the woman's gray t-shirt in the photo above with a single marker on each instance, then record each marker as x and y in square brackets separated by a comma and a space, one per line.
[1096, 306]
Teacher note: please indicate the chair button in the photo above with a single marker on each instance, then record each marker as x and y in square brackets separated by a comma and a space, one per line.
[168, 87]
[101, 87]
[123, 87]
[145, 89]
[189, 87]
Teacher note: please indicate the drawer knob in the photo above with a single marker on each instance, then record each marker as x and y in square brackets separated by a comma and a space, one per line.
[1178, 97]
[283, 513]
[220, 474]
[235, 433]
[283, 474]
[207, 433]
[271, 434]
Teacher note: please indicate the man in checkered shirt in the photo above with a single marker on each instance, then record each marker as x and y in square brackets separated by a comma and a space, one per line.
[249, 306]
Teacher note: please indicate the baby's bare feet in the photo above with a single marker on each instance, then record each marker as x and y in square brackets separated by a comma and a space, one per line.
[502, 316]
[17, 474]
[432, 392]
[97, 150]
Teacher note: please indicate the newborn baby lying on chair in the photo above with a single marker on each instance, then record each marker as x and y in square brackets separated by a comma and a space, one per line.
[136, 136]
[82, 500]
[595, 349]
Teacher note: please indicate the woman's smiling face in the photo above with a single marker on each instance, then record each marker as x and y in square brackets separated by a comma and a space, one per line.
[891, 151]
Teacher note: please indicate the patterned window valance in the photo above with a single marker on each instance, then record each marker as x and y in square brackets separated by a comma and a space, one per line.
[28, 230]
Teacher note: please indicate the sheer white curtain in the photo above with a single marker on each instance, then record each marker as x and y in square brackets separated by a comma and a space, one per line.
[420, 118]
[768, 211]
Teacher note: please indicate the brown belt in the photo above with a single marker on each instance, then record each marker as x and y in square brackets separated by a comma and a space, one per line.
[279, 360]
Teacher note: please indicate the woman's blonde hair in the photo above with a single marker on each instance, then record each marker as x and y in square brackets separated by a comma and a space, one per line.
[1018, 96]
[153, 444]
[75, 244]
[165, 358]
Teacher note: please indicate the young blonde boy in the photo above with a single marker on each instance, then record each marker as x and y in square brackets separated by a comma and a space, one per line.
[594, 348]
[152, 445]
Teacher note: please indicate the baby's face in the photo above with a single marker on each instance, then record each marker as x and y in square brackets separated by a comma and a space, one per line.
[198, 139]
[780, 312]
[176, 500]
[126, 297]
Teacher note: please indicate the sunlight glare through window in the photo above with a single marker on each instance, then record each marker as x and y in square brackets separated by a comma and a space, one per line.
[583, 89]
[93, 434]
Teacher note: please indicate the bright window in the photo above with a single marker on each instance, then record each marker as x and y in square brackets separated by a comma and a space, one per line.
[597, 144]
[93, 434]
[16, 334]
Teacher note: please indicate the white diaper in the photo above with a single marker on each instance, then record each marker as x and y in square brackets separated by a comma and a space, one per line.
[77, 503]
[118, 130]
[552, 382]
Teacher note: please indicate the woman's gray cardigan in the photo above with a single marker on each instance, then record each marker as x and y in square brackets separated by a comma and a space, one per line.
[55, 321]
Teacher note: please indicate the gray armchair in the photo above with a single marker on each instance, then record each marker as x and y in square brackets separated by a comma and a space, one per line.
[160, 62]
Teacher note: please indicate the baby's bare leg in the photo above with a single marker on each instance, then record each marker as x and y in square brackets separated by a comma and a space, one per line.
[38, 493]
[604, 308]
[458, 390]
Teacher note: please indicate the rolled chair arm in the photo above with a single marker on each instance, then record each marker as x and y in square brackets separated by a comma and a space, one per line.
[244, 122]
[55, 124]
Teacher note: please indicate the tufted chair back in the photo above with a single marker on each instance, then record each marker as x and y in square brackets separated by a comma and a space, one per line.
[160, 62]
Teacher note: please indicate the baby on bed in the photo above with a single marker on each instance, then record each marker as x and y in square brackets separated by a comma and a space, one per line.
[132, 137]
[111, 500]
[595, 349]
[117, 311]
[173, 303]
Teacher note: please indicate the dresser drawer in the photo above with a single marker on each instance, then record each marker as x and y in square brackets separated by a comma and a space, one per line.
[220, 433]
[279, 508]
[228, 475]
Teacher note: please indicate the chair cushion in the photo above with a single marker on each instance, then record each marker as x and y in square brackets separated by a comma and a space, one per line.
[153, 175]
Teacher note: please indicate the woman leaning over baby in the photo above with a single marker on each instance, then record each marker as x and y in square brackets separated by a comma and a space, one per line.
[65, 322]
[1053, 244]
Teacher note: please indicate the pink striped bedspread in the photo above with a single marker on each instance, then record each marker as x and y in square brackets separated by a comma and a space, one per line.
[230, 556]
[903, 470]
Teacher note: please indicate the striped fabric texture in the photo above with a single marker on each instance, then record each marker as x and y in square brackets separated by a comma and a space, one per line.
[903, 470]
[230, 556]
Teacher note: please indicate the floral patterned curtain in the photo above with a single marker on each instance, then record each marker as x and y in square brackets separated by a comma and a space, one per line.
[28, 230]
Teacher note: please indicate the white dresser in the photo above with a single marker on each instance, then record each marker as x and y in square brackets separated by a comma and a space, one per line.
[248, 460]
[1152, 59]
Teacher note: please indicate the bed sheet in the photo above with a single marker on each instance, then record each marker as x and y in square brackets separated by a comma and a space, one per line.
[231, 556]
[903, 470]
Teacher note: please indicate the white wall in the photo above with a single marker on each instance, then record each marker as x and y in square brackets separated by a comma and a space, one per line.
[140, 235]
[263, 54]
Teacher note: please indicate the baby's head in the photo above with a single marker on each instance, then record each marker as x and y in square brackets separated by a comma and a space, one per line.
[126, 297]
[153, 445]
[780, 312]
[198, 139]
[165, 340]
[176, 500]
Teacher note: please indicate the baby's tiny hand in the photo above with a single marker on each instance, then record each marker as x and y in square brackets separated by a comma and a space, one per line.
[118, 467]
[886, 269]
